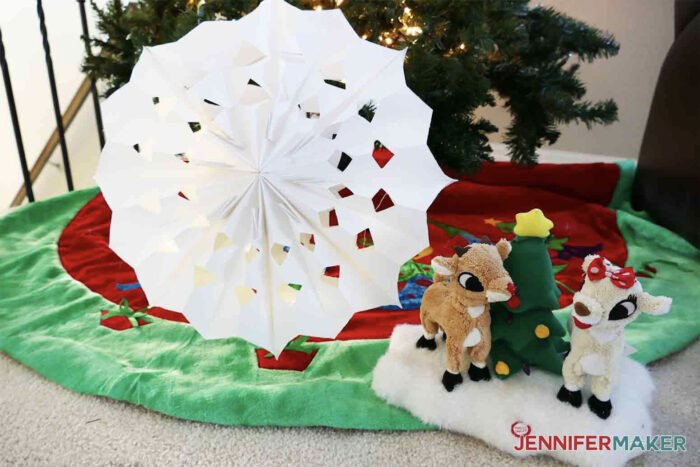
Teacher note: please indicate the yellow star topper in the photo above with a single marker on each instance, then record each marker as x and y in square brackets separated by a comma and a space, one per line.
[532, 224]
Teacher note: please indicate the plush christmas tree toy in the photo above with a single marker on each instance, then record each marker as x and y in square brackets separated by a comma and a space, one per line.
[525, 333]
[458, 303]
[610, 299]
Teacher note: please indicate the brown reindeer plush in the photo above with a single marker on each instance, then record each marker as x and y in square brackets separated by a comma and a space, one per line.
[458, 303]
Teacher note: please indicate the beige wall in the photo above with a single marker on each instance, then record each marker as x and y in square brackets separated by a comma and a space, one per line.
[644, 29]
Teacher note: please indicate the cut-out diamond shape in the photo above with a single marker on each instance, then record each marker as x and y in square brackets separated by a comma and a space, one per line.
[311, 108]
[332, 271]
[253, 94]
[329, 218]
[381, 200]
[364, 239]
[190, 192]
[311, 115]
[308, 241]
[367, 111]
[289, 293]
[222, 241]
[245, 294]
[331, 275]
[331, 132]
[341, 161]
[335, 82]
[183, 157]
[279, 253]
[381, 154]
[248, 54]
[251, 254]
[341, 191]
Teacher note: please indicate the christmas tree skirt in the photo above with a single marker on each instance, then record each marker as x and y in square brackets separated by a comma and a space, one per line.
[410, 378]
[61, 288]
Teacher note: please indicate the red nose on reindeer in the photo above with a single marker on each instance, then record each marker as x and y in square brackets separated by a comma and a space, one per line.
[514, 301]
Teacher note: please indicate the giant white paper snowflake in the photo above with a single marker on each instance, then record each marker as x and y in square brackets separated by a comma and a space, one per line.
[241, 172]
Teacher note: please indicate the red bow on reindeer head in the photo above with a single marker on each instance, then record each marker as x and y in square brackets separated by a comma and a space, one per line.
[622, 278]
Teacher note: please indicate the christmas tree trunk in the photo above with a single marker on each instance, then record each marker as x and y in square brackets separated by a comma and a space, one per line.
[524, 330]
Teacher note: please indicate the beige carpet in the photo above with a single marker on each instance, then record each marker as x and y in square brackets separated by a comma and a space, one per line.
[44, 424]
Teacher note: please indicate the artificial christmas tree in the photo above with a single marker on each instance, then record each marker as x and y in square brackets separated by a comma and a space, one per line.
[525, 333]
[461, 56]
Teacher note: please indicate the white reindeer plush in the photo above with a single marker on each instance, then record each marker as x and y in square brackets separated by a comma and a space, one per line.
[610, 298]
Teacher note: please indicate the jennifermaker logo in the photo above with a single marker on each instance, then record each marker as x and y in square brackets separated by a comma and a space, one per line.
[526, 441]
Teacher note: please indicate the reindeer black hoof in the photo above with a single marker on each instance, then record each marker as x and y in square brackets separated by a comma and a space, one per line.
[600, 408]
[570, 397]
[478, 374]
[424, 343]
[450, 380]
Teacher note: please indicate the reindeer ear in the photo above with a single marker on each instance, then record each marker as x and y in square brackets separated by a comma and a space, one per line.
[444, 266]
[504, 248]
[587, 261]
[461, 250]
[654, 305]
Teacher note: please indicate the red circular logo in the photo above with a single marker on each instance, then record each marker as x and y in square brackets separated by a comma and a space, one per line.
[520, 429]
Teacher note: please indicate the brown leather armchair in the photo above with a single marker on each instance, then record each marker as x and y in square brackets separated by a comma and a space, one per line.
[667, 182]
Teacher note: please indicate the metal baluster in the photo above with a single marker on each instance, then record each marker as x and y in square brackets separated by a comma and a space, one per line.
[15, 121]
[54, 95]
[93, 86]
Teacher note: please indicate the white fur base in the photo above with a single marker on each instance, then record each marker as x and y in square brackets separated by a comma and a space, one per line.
[410, 378]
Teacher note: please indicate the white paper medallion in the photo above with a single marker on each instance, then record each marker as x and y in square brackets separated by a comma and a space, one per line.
[242, 181]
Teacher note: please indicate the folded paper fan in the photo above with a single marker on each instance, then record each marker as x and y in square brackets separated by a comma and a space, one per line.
[241, 170]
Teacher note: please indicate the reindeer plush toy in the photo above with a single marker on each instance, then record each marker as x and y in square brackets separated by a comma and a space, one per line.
[458, 303]
[610, 299]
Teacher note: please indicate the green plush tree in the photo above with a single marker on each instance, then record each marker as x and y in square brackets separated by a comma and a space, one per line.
[461, 56]
[524, 331]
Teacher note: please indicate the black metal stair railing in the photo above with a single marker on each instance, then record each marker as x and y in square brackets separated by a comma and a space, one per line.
[30, 175]
[54, 95]
[93, 84]
[15, 120]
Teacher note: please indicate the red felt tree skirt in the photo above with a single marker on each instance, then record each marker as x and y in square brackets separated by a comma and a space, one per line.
[477, 205]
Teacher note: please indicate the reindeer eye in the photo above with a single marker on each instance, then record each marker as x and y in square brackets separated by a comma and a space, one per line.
[470, 282]
[622, 310]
